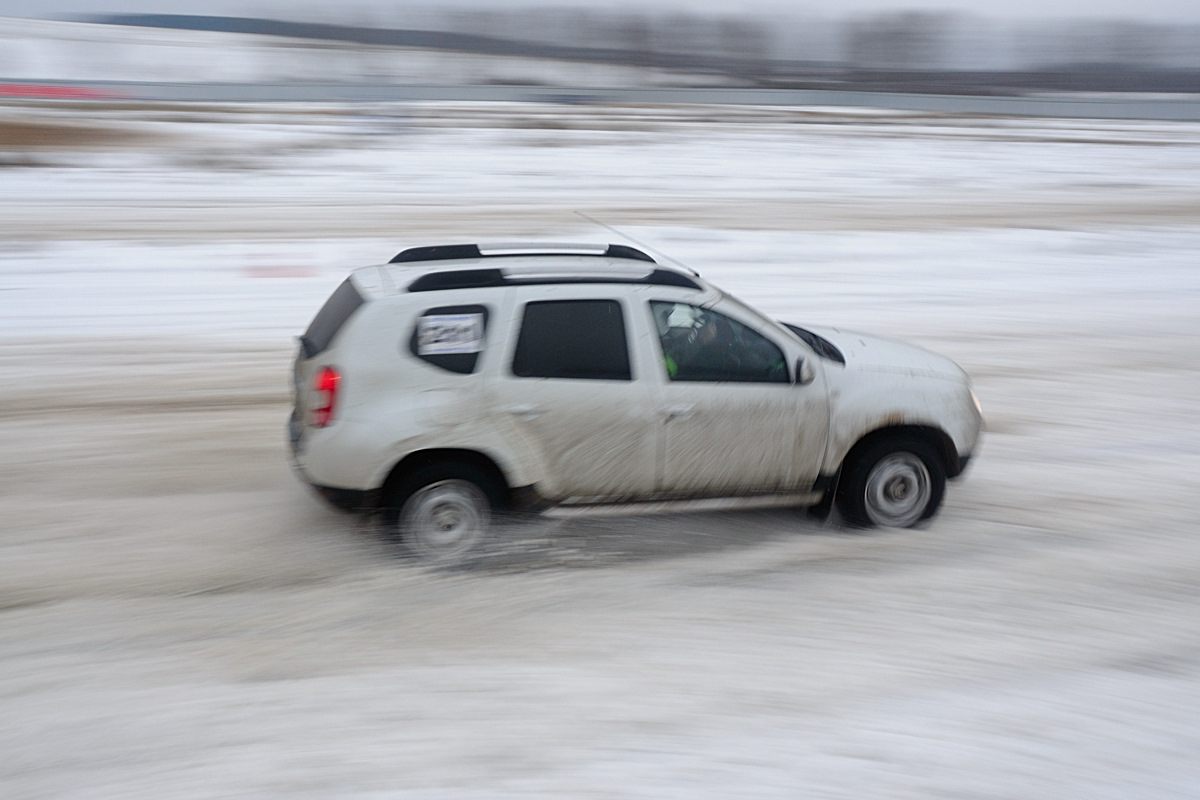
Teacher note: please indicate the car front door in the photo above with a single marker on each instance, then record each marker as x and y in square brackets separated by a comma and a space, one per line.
[733, 420]
[574, 391]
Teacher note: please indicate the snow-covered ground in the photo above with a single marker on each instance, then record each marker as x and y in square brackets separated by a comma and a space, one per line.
[180, 619]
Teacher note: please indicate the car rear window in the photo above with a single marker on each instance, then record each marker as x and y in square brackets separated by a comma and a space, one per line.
[340, 306]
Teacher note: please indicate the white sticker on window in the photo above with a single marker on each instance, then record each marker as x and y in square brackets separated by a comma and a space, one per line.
[439, 334]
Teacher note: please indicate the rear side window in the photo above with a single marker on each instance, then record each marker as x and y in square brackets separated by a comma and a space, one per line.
[582, 339]
[450, 337]
[344, 301]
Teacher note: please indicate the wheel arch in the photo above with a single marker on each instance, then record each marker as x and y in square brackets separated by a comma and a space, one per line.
[421, 459]
[941, 442]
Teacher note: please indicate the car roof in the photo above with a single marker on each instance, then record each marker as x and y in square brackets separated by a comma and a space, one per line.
[463, 266]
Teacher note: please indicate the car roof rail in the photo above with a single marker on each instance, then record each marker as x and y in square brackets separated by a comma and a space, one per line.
[456, 252]
[486, 277]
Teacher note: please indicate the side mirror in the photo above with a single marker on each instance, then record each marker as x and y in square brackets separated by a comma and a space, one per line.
[804, 372]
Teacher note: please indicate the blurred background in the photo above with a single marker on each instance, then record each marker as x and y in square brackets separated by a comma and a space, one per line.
[941, 47]
[183, 184]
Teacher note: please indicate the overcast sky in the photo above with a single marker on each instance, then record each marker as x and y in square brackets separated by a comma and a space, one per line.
[1148, 10]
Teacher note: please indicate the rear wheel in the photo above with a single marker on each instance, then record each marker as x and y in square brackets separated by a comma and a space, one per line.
[442, 512]
[892, 483]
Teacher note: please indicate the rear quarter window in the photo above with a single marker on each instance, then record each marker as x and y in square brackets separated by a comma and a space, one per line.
[450, 337]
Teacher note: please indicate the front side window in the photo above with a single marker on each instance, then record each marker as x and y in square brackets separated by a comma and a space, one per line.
[579, 339]
[450, 337]
[699, 344]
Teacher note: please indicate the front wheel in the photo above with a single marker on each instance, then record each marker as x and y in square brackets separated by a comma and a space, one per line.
[443, 512]
[893, 483]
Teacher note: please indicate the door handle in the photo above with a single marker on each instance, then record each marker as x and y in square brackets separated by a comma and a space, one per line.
[681, 411]
[526, 411]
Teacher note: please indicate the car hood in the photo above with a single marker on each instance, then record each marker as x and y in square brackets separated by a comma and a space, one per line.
[866, 352]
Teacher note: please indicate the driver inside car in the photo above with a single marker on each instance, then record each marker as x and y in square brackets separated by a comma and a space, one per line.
[706, 349]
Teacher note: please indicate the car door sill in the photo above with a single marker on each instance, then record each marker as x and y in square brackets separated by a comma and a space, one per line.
[586, 507]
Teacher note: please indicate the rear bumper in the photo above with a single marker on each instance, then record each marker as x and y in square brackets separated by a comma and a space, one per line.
[359, 501]
[353, 500]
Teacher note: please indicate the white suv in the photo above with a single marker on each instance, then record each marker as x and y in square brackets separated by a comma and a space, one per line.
[458, 381]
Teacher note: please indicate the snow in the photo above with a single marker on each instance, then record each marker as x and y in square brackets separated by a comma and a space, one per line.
[180, 619]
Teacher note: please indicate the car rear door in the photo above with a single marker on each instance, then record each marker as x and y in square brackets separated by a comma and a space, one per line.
[573, 390]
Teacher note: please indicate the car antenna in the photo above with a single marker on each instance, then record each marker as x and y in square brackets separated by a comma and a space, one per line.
[627, 237]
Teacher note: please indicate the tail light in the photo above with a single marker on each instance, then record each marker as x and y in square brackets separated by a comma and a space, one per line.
[326, 387]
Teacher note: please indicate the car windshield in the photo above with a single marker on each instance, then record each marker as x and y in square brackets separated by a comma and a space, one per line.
[748, 314]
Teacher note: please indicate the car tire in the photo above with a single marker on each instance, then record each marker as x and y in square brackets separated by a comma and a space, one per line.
[892, 483]
[442, 512]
